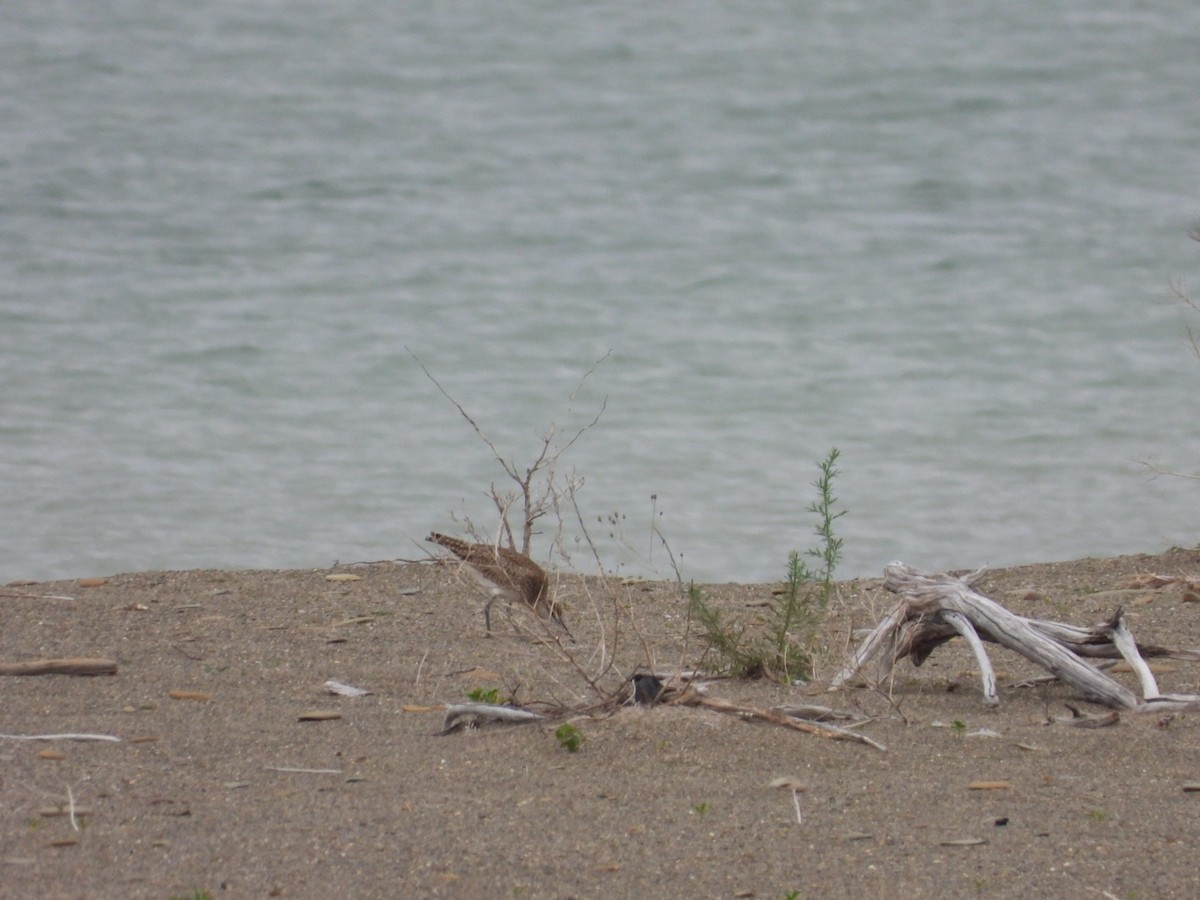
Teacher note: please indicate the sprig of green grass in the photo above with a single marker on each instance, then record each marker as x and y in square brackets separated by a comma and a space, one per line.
[484, 695]
[569, 737]
[787, 648]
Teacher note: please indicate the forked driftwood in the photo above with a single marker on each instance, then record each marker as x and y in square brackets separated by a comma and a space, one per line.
[60, 667]
[935, 608]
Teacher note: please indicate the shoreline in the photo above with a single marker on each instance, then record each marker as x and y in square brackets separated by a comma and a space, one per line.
[94, 580]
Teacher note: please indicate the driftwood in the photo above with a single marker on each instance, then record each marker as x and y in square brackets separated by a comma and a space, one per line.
[788, 718]
[474, 715]
[73, 666]
[667, 690]
[680, 690]
[61, 737]
[935, 608]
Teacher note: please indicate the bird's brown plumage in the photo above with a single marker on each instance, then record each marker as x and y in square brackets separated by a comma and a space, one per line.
[509, 574]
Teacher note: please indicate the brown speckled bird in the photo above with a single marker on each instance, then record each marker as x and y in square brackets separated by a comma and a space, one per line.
[507, 574]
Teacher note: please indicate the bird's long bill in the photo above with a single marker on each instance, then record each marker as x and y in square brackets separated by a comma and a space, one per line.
[556, 616]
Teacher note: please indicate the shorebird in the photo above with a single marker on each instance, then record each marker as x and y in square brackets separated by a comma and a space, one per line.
[507, 574]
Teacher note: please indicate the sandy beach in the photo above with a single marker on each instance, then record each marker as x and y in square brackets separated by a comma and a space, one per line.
[238, 774]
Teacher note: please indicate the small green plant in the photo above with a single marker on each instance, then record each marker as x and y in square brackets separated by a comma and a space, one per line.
[1097, 815]
[735, 655]
[959, 727]
[484, 695]
[830, 551]
[194, 895]
[795, 614]
[700, 808]
[569, 737]
[792, 895]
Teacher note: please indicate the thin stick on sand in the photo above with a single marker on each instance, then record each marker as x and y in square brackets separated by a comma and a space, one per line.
[300, 771]
[60, 737]
[70, 666]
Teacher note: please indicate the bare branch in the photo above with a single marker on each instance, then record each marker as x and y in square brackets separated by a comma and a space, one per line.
[539, 498]
[479, 431]
[1158, 470]
[596, 365]
[1182, 294]
[588, 426]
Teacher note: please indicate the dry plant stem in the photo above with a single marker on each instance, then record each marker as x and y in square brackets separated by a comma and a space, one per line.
[649, 654]
[607, 655]
[606, 652]
[535, 505]
[1182, 294]
[935, 608]
[683, 593]
[553, 641]
[601, 658]
[889, 696]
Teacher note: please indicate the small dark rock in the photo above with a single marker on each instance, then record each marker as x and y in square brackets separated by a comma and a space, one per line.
[647, 689]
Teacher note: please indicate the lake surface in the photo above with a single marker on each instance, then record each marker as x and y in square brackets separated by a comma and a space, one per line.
[940, 237]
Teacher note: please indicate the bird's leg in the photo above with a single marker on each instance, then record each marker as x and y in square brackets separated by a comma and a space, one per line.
[487, 609]
[487, 614]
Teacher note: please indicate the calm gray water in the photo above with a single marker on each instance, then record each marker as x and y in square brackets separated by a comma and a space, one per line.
[938, 236]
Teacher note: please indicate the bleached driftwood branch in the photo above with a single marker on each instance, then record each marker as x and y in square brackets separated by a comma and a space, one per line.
[807, 718]
[472, 715]
[935, 608]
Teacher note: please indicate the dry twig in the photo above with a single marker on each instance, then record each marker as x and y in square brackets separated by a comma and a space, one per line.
[72, 666]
